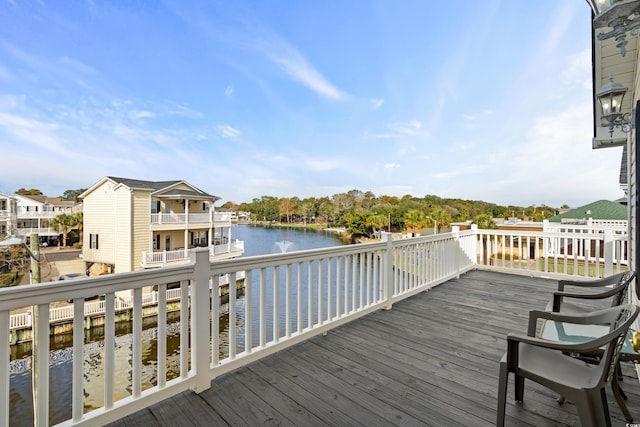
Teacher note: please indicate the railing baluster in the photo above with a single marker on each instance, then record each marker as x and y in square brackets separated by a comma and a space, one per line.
[233, 336]
[329, 290]
[310, 294]
[287, 309]
[354, 281]
[40, 365]
[320, 300]
[248, 314]
[299, 298]
[161, 328]
[361, 279]
[136, 357]
[275, 304]
[262, 313]
[109, 349]
[184, 329]
[77, 378]
[215, 319]
[5, 392]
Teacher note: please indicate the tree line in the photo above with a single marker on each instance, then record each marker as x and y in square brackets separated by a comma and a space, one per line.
[364, 214]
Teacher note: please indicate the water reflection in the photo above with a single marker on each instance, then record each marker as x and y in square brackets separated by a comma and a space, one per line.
[61, 357]
[257, 240]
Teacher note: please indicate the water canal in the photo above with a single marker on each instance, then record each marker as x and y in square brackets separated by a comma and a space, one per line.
[258, 241]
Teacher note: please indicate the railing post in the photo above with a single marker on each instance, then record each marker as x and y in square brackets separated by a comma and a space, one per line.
[608, 252]
[474, 244]
[455, 232]
[387, 271]
[200, 329]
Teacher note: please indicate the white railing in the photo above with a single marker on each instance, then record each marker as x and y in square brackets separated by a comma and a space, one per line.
[573, 253]
[46, 231]
[24, 214]
[97, 308]
[287, 298]
[193, 218]
[222, 216]
[591, 226]
[168, 218]
[151, 259]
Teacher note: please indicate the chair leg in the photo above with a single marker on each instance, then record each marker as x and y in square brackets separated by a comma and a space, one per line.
[590, 416]
[519, 383]
[620, 398]
[503, 381]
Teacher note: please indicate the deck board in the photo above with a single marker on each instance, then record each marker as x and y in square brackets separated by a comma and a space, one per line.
[431, 360]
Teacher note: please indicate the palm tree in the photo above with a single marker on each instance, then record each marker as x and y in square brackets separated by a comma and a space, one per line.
[414, 219]
[484, 222]
[63, 223]
[376, 222]
[79, 222]
[441, 217]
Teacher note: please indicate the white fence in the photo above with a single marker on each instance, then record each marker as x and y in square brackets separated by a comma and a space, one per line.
[287, 298]
[159, 258]
[91, 308]
[192, 218]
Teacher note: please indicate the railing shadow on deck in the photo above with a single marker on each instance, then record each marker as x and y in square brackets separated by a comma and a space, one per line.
[287, 298]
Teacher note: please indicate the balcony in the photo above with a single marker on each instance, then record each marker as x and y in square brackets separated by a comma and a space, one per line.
[167, 258]
[42, 232]
[309, 343]
[193, 219]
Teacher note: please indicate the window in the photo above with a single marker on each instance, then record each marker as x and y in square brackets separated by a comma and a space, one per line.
[93, 241]
[199, 238]
[155, 206]
[205, 206]
[3, 205]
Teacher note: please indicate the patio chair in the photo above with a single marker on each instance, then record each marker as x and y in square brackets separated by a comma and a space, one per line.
[548, 362]
[613, 287]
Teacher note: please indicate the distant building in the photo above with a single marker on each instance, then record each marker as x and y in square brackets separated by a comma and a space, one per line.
[132, 224]
[601, 212]
[8, 215]
[22, 215]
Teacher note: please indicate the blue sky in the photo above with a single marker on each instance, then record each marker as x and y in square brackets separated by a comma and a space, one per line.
[458, 98]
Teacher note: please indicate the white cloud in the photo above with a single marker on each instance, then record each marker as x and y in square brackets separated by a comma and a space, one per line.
[294, 64]
[228, 92]
[228, 131]
[391, 165]
[579, 69]
[401, 129]
[376, 103]
[142, 114]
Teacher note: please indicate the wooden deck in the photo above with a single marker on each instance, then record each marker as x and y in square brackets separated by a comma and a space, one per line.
[431, 360]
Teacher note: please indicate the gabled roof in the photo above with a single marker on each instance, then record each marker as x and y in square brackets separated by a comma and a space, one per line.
[45, 200]
[141, 184]
[602, 209]
[158, 188]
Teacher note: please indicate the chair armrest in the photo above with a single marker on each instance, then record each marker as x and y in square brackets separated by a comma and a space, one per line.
[609, 292]
[611, 280]
[583, 347]
[605, 316]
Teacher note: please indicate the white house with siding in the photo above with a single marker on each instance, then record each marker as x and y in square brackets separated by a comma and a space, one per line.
[132, 224]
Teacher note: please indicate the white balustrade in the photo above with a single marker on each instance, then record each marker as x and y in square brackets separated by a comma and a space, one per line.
[286, 299]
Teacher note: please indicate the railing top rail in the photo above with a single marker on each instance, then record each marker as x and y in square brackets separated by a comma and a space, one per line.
[593, 236]
[43, 293]
[261, 261]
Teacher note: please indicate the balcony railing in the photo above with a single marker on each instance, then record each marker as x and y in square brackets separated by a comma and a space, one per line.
[162, 258]
[43, 231]
[193, 218]
[288, 298]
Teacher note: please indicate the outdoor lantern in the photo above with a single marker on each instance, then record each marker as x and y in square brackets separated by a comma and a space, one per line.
[610, 97]
[620, 15]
